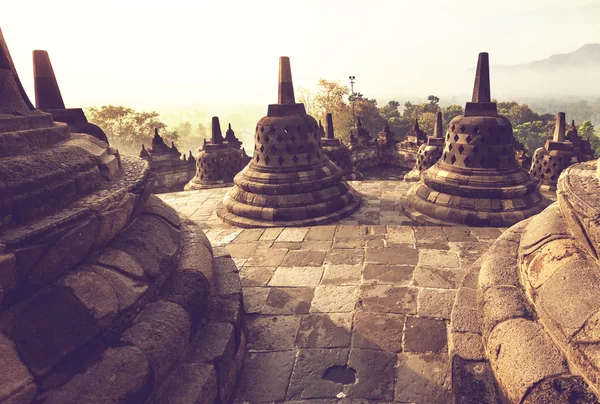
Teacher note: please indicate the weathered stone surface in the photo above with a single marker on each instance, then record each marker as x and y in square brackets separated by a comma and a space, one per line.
[222, 309]
[190, 290]
[8, 273]
[342, 275]
[429, 277]
[265, 376]
[216, 342]
[381, 331]
[128, 291]
[122, 375]
[157, 207]
[162, 332]
[473, 382]
[249, 235]
[438, 258]
[288, 301]
[400, 235]
[522, 354]
[465, 320]
[400, 275]
[256, 276]
[297, 276]
[114, 258]
[467, 345]
[228, 284]
[292, 234]
[423, 378]
[344, 257]
[304, 258]
[14, 376]
[389, 256]
[267, 257]
[425, 335]
[570, 389]
[307, 382]
[188, 383]
[255, 299]
[500, 304]
[435, 303]
[331, 330]
[270, 333]
[388, 299]
[54, 315]
[334, 299]
[320, 233]
[375, 374]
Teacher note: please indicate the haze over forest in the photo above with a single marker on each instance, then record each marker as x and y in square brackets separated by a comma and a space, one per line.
[192, 60]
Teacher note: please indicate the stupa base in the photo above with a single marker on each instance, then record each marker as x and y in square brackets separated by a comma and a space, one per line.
[354, 176]
[244, 222]
[195, 186]
[428, 213]
[413, 176]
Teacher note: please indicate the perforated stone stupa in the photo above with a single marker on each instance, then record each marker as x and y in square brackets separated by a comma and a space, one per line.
[550, 160]
[338, 152]
[219, 161]
[290, 181]
[477, 181]
[429, 153]
[103, 287]
[49, 99]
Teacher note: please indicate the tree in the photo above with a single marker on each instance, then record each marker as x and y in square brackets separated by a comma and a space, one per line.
[586, 130]
[128, 129]
[531, 134]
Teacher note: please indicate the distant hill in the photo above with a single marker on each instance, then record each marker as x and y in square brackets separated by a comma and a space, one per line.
[586, 57]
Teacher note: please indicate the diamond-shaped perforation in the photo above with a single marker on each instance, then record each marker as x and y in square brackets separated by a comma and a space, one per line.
[453, 159]
[456, 137]
[450, 147]
[267, 160]
[461, 149]
[272, 129]
[280, 160]
[293, 138]
[262, 129]
[467, 161]
[267, 138]
[262, 148]
[476, 130]
[469, 139]
[295, 159]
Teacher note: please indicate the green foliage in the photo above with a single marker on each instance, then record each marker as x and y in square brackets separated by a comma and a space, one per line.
[128, 129]
[532, 134]
[587, 131]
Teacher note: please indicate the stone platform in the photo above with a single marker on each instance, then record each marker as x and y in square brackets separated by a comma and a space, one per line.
[373, 292]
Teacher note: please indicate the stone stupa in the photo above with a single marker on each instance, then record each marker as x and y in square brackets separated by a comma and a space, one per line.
[429, 153]
[337, 151]
[550, 160]
[290, 181]
[49, 99]
[477, 181]
[218, 162]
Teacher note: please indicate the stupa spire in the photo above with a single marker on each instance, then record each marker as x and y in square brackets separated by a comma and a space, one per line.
[217, 135]
[14, 103]
[481, 89]
[47, 92]
[438, 130]
[559, 129]
[329, 123]
[286, 85]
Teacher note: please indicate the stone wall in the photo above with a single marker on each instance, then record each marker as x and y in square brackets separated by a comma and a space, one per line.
[365, 157]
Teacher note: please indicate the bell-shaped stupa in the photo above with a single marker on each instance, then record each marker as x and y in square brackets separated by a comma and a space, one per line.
[338, 152]
[429, 153]
[49, 99]
[551, 159]
[218, 162]
[290, 181]
[477, 181]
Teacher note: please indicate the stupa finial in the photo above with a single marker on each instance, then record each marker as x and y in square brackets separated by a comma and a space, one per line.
[47, 92]
[217, 135]
[286, 85]
[329, 123]
[559, 129]
[15, 102]
[481, 89]
[437, 131]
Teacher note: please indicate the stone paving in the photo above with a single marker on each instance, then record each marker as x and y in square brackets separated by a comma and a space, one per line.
[369, 297]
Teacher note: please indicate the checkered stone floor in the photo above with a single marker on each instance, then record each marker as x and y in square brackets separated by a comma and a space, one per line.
[370, 296]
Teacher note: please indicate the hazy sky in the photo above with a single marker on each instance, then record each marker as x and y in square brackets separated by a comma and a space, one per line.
[157, 54]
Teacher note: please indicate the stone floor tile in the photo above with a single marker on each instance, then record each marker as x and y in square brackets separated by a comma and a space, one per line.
[423, 379]
[436, 303]
[267, 257]
[430, 234]
[423, 334]
[388, 299]
[342, 275]
[288, 301]
[375, 374]
[292, 234]
[316, 245]
[438, 258]
[248, 235]
[297, 276]
[334, 299]
[303, 258]
[320, 233]
[400, 275]
[311, 364]
[404, 254]
[400, 235]
[254, 299]
[458, 234]
[265, 376]
[271, 234]
[379, 331]
[485, 233]
[271, 333]
[287, 245]
[256, 276]
[428, 277]
[330, 330]
[349, 243]
[344, 257]
[350, 231]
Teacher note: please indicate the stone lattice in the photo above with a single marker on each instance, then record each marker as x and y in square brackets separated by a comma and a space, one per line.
[290, 181]
[477, 180]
